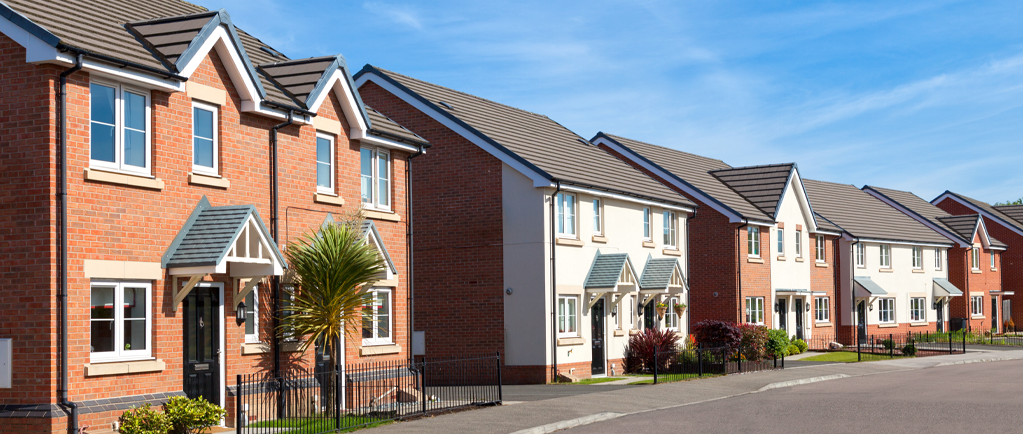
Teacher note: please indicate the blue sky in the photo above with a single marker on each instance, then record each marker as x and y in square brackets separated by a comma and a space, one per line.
[921, 96]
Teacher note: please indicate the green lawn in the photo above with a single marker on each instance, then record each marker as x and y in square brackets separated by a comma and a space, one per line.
[662, 381]
[315, 426]
[846, 357]
[594, 381]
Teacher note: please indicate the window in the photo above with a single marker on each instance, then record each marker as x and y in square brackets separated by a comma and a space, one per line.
[755, 310]
[821, 255]
[799, 244]
[566, 215]
[567, 306]
[975, 258]
[937, 259]
[119, 128]
[375, 167]
[671, 318]
[886, 256]
[325, 164]
[917, 310]
[120, 321]
[822, 313]
[598, 228]
[632, 312]
[251, 319]
[781, 242]
[992, 260]
[647, 233]
[287, 298]
[204, 139]
[918, 258]
[670, 229]
[977, 305]
[753, 240]
[376, 317]
[887, 310]
[861, 255]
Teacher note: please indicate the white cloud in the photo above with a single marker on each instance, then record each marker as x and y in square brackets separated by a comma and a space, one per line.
[400, 14]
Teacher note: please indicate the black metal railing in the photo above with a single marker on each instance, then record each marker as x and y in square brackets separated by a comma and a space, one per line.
[351, 396]
[893, 345]
[973, 338]
[684, 364]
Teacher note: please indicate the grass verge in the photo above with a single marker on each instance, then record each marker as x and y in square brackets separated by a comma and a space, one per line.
[847, 357]
[315, 426]
[594, 381]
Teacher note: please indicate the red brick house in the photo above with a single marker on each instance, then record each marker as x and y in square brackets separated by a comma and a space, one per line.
[531, 241]
[1006, 224]
[143, 132]
[765, 257]
[973, 263]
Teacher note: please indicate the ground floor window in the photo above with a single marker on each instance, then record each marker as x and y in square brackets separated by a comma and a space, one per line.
[822, 313]
[376, 318]
[917, 308]
[977, 305]
[251, 318]
[120, 321]
[287, 298]
[887, 309]
[671, 319]
[755, 310]
[567, 309]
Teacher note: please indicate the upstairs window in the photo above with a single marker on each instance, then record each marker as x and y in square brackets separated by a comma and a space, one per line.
[325, 163]
[937, 259]
[992, 260]
[821, 253]
[781, 242]
[918, 258]
[886, 256]
[598, 224]
[204, 139]
[799, 244]
[975, 258]
[566, 215]
[861, 255]
[375, 167]
[647, 232]
[119, 128]
[670, 230]
[753, 241]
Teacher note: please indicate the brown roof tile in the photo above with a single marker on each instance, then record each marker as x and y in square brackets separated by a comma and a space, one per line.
[383, 126]
[865, 216]
[993, 211]
[961, 226]
[762, 186]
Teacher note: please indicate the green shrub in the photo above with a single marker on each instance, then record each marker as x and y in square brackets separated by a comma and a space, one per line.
[888, 344]
[909, 350]
[793, 350]
[801, 344]
[144, 420]
[753, 345]
[777, 343]
[192, 416]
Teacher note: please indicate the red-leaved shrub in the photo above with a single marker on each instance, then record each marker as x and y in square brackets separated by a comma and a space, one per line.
[639, 353]
[716, 334]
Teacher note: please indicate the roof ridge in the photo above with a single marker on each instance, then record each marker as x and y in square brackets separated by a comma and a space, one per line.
[832, 183]
[614, 136]
[758, 166]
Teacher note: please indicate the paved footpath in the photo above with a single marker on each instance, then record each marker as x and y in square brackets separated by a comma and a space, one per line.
[565, 412]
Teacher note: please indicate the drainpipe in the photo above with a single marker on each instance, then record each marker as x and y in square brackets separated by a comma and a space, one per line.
[689, 299]
[62, 392]
[276, 281]
[738, 268]
[409, 243]
[554, 287]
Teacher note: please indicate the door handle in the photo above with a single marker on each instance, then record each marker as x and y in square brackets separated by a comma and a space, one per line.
[219, 351]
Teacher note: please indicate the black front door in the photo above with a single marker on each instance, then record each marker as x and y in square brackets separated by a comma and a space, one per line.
[861, 312]
[798, 308]
[202, 344]
[597, 337]
[941, 316]
[783, 315]
[649, 321]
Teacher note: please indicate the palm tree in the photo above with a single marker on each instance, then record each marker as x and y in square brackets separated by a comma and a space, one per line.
[333, 269]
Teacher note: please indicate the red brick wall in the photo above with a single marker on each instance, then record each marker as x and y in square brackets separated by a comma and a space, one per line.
[458, 227]
[822, 279]
[756, 277]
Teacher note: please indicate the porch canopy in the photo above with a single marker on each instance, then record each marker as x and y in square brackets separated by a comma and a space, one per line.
[214, 236]
[944, 288]
[612, 273]
[662, 276]
[866, 288]
[791, 291]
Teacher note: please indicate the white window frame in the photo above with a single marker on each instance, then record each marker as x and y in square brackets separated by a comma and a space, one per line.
[215, 170]
[820, 253]
[671, 319]
[670, 230]
[976, 305]
[799, 243]
[886, 308]
[118, 165]
[569, 314]
[376, 339]
[975, 259]
[120, 354]
[918, 309]
[598, 217]
[781, 241]
[333, 165]
[918, 258]
[648, 232]
[937, 259]
[375, 155]
[566, 214]
[861, 255]
[993, 260]
[252, 338]
[755, 310]
[822, 309]
[287, 298]
[753, 241]
[885, 255]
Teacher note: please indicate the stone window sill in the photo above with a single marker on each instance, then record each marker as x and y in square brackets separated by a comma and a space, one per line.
[599, 239]
[755, 260]
[209, 181]
[780, 258]
[569, 242]
[824, 324]
[975, 271]
[379, 350]
[886, 270]
[800, 259]
[994, 269]
[328, 199]
[381, 215]
[114, 368]
[918, 324]
[918, 271]
[633, 332]
[620, 332]
[978, 317]
[672, 252]
[291, 347]
[889, 325]
[123, 179]
[649, 244]
[570, 341]
[255, 348]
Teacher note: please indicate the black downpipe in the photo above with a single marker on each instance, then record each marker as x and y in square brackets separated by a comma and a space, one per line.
[689, 285]
[738, 269]
[62, 392]
[409, 244]
[276, 281]
[554, 288]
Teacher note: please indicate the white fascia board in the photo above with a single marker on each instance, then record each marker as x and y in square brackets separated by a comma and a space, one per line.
[826, 232]
[390, 144]
[259, 109]
[349, 105]
[945, 233]
[625, 198]
[903, 243]
[670, 178]
[236, 68]
[756, 223]
[975, 209]
[539, 180]
[36, 50]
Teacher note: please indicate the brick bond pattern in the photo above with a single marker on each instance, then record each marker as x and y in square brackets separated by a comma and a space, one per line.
[114, 222]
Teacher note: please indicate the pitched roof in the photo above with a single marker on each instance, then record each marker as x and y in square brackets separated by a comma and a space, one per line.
[947, 288]
[534, 140]
[962, 227]
[695, 171]
[206, 236]
[869, 285]
[168, 38]
[1014, 212]
[995, 212]
[384, 127]
[825, 224]
[657, 273]
[762, 186]
[606, 270]
[864, 216]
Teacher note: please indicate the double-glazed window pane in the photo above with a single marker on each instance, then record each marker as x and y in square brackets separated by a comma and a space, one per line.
[102, 313]
[823, 312]
[887, 310]
[566, 214]
[646, 224]
[781, 241]
[977, 305]
[669, 229]
[755, 310]
[119, 321]
[861, 255]
[753, 241]
[376, 317]
[324, 163]
[917, 257]
[134, 130]
[375, 175]
[103, 124]
[383, 179]
[799, 243]
[886, 259]
[820, 249]
[916, 309]
[567, 315]
[202, 137]
[118, 127]
[596, 216]
[135, 309]
[250, 313]
[366, 169]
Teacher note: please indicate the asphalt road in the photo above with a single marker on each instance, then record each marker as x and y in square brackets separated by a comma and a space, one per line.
[975, 398]
[540, 392]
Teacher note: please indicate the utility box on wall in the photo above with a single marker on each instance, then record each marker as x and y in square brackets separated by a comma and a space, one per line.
[6, 353]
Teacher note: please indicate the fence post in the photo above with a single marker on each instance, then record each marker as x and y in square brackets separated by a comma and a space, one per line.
[422, 384]
[859, 345]
[337, 396]
[891, 345]
[699, 359]
[964, 343]
[950, 342]
[238, 405]
[740, 361]
[500, 396]
[655, 366]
